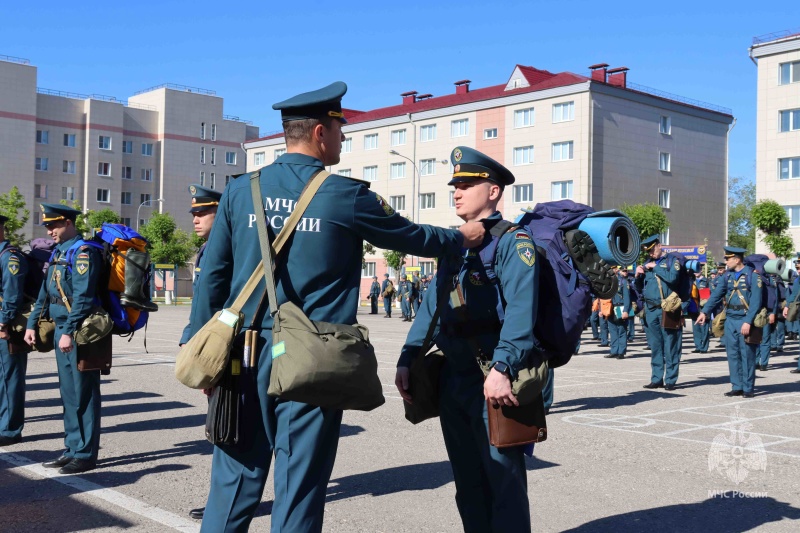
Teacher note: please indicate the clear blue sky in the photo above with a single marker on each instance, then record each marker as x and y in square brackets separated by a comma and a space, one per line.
[256, 53]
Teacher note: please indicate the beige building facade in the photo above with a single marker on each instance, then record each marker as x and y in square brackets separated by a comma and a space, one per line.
[778, 125]
[135, 157]
[595, 139]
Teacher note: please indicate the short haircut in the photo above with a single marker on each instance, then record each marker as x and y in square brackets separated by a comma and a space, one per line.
[299, 131]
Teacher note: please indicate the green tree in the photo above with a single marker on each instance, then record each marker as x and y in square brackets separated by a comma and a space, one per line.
[366, 250]
[741, 200]
[649, 219]
[771, 219]
[394, 259]
[80, 222]
[95, 219]
[166, 242]
[13, 207]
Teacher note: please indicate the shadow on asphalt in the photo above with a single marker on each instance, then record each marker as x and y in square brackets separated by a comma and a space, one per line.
[348, 431]
[608, 402]
[124, 396]
[188, 421]
[715, 514]
[182, 449]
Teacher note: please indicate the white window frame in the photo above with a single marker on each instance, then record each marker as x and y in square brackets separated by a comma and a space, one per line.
[127, 147]
[563, 112]
[127, 173]
[792, 73]
[427, 167]
[259, 158]
[213, 156]
[230, 157]
[398, 202]
[398, 137]
[451, 201]
[100, 169]
[212, 183]
[203, 130]
[40, 190]
[68, 167]
[792, 168]
[664, 163]
[202, 155]
[67, 193]
[347, 145]
[368, 270]
[147, 149]
[103, 196]
[147, 174]
[524, 118]
[562, 149]
[665, 125]
[125, 195]
[523, 155]
[213, 132]
[489, 133]
[102, 145]
[371, 141]
[459, 127]
[42, 136]
[69, 140]
[427, 200]
[202, 178]
[664, 237]
[792, 122]
[146, 198]
[41, 164]
[793, 211]
[426, 267]
[522, 193]
[346, 172]
[663, 198]
[279, 152]
[370, 173]
[563, 194]
[397, 171]
[427, 133]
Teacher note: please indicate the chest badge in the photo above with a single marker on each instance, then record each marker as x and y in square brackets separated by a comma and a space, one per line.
[475, 277]
[526, 253]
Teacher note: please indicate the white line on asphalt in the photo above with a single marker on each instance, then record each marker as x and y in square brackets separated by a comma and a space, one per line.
[98, 491]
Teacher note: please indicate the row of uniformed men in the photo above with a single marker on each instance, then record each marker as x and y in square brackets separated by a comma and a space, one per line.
[408, 292]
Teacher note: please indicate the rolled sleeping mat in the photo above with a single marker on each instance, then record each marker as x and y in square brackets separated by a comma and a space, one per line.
[693, 265]
[775, 266]
[616, 237]
[786, 275]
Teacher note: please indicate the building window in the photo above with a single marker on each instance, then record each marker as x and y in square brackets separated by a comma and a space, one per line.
[203, 130]
[371, 173]
[561, 190]
[789, 168]
[213, 180]
[202, 155]
[40, 191]
[427, 133]
[490, 133]
[36, 218]
[523, 118]
[562, 151]
[202, 179]
[790, 120]
[42, 137]
[398, 203]
[125, 198]
[663, 198]
[147, 149]
[368, 270]
[144, 199]
[398, 137]
[142, 222]
[279, 152]
[103, 195]
[523, 193]
[347, 145]
[397, 170]
[147, 174]
[69, 140]
[227, 180]
[426, 267]
[258, 159]
[127, 147]
[104, 143]
[346, 172]
[371, 141]
[67, 193]
[523, 155]
[427, 167]
[459, 128]
[127, 173]
[126, 221]
[664, 237]
[452, 200]
[213, 132]
[664, 162]
[563, 112]
[427, 200]
[68, 167]
[103, 169]
[665, 125]
[794, 215]
[230, 158]
[789, 72]
[213, 156]
[41, 163]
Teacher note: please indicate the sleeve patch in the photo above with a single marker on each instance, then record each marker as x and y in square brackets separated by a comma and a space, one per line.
[758, 282]
[522, 235]
[677, 265]
[13, 266]
[386, 207]
[83, 256]
[526, 253]
[82, 266]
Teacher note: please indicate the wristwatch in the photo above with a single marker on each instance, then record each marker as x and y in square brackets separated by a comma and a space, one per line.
[502, 368]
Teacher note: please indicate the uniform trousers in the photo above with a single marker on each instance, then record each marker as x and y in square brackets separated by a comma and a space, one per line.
[701, 334]
[665, 349]
[603, 331]
[767, 344]
[387, 306]
[12, 391]
[416, 303]
[780, 333]
[491, 483]
[631, 328]
[547, 391]
[594, 321]
[405, 306]
[619, 336]
[303, 438]
[373, 303]
[741, 356]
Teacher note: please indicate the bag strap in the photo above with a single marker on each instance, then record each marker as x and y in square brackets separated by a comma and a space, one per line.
[267, 255]
[440, 301]
[57, 275]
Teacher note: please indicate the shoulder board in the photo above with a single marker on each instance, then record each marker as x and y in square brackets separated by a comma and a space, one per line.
[255, 175]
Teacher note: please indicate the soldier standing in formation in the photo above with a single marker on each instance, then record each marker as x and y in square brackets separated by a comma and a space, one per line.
[618, 318]
[387, 292]
[374, 293]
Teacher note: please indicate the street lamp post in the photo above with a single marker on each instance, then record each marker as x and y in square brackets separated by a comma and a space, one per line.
[140, 208]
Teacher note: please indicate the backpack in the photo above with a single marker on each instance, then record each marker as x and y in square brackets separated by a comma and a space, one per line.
[685, 277]
[124, 286]
[35, 276]
[565, 295]
[757, 262]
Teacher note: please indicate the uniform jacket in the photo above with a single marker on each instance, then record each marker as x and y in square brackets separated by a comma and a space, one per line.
[733, 286]
[374, 289]
[197, 271]
[13, 269]
[665, 270]
[623, 295]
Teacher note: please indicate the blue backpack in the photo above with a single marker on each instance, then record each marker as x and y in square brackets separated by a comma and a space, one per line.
[565, 295]
[685, 278]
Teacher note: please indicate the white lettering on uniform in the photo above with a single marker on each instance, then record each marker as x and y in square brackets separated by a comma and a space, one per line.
[288, 204]
[272, 205]
[313, 224]
[273, 221]
[251, 221]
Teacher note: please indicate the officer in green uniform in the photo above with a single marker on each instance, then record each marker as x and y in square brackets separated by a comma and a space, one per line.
[320, 272]
[13, 355]
[659, 276]
[720, 276]
[387, 292]
[374, 293]
[491, 484]
[618, 325]
[80, 391]
[700, 332]
[740, 288]
[203, 210]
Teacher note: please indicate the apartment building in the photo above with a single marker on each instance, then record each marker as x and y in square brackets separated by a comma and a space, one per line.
[597, 139]
[135, 157]
[777, 57]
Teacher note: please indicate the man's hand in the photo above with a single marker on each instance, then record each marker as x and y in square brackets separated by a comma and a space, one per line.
[625, 316]
[65, 343]
[473, 233]
[701, 319]
[786, 312]
[401, 382]
[771, 318]
[497, 389]
[745, 329]
[30, 337]
[209, 391]
[650, 265]
[639, 270]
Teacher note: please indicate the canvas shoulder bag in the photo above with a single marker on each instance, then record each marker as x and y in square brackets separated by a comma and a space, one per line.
[95, 326]
[329, 365]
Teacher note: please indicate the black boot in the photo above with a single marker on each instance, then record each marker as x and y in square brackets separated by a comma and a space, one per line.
[137, 288]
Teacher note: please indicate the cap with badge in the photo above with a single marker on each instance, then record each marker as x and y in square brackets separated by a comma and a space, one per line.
[471, 165]
[731, 251]
[649, 242]
[325, 102]
[203, 198]
[57, 212]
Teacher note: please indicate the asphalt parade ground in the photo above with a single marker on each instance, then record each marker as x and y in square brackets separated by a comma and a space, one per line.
[618, 457]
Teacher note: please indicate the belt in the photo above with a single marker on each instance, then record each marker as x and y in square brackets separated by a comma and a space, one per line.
[471, 328]
[58, 301]
[737, 307]
[652, 304]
